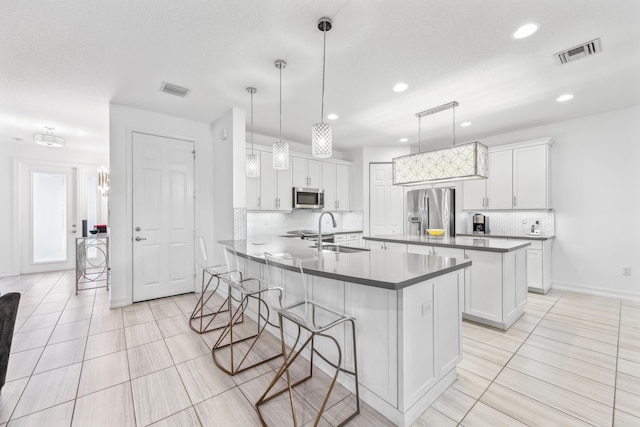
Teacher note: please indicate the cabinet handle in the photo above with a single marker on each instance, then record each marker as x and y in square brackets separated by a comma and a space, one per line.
[515, 203]
[487, 202]
[259, 202]
[338, 204]
[483, 201]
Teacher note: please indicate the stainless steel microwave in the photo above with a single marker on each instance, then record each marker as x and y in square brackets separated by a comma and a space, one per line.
[308, 198]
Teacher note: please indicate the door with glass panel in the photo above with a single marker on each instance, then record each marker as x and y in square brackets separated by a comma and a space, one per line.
[49, 217]
[163, 216]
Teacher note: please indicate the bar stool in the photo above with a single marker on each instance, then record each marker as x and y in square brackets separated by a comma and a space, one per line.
[317, 320]
[201, 311]
[230, 342]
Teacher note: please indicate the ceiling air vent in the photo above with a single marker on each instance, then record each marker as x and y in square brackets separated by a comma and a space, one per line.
[585, 49]
[174, 89]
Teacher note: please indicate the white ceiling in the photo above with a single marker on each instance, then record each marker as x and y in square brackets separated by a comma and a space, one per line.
[63, 62]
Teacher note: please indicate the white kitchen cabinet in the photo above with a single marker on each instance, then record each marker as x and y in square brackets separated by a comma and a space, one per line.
[519, 178]
[253, 189]
[392, 246]
[336, 182]
[531, 186]
[495, 287]
[275, 185]
[539, 266]
[500, 181]
[306, 173]
[474, 194]
[349, 239]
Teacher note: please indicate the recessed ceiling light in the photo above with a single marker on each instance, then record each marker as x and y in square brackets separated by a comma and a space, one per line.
[465, 124]
[332, 116]
[404, 139]
[525, 31]
[565, 97]
[400, 87]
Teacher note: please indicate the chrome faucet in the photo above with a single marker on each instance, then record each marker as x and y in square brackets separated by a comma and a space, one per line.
[335, 224]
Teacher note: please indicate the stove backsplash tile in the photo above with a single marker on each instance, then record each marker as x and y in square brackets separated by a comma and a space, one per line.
[515, 223]
[274, 223]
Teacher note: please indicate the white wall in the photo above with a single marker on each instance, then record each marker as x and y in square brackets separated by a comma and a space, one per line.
[122, 122]
[10, 248]
[595, 178]
[361, 158]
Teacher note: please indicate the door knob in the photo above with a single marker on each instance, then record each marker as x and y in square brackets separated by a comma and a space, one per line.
[73, 232]
[138, 228]
[138, 238]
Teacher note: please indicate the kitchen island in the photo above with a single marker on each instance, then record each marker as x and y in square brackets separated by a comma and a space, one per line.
[408, 316]
[495, 287]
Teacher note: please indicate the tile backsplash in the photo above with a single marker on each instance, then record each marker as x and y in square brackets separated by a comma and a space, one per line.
[513, 223]
[271, 223]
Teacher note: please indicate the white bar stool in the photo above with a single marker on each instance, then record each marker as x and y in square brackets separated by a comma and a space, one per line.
[317, 320]
[237, 348]
[204, 316]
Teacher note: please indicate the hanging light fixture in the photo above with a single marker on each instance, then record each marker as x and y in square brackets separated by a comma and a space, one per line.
[48, 139]
[455, 163]
[280, 148]
[103, 181]
[321, 139]
[253, 162]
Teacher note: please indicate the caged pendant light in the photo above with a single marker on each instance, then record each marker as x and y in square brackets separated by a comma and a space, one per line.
[455, 163]
[253, 161]
[280, 148]
[321, 139]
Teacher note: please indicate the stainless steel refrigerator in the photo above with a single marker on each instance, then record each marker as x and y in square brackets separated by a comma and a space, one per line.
[431, 208]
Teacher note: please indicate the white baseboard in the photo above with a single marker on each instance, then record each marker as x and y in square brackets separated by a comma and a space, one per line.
[594, 291]
[119, 302]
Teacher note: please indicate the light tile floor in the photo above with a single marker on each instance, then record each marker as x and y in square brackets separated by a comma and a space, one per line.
[572, 359]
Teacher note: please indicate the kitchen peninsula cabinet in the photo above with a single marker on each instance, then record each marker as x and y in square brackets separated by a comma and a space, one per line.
[519, 178]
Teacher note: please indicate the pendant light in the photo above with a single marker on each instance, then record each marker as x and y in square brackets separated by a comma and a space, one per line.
[321, 132]
[253, 162]
[456, 163]
[280, 148]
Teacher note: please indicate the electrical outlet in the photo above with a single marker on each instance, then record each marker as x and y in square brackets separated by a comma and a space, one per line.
[626, 270]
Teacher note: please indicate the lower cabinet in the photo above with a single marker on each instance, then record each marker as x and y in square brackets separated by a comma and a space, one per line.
[350, 239]
[495, 287]
[392, 246]
[539, 266]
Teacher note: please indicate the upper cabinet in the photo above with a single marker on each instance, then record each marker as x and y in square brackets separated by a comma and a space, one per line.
[519, 178]
[272, 190]
[336, 182]
[306, 173]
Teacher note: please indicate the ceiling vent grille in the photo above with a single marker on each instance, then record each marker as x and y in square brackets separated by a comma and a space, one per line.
[578, 52]
[174, 89]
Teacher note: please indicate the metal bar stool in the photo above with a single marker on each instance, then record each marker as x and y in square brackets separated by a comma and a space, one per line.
[241, 350]
[317, 320]
[204, 316]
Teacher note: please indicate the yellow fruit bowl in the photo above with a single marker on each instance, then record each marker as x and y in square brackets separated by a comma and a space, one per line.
[435, 231]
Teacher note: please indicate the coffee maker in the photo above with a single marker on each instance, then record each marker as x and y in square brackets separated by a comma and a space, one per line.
[480, 224]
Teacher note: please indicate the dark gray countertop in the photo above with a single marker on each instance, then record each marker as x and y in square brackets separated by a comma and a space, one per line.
[491, 245]
[505, 236]
[379, 268]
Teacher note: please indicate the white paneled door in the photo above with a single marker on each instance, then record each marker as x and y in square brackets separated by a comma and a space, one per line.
[163, 216]
[386, 201]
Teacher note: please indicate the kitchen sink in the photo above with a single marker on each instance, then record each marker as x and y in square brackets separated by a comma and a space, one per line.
[340, 249]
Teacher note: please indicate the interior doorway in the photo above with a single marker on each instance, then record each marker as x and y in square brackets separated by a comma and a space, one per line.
[386, 201]
[163, 216]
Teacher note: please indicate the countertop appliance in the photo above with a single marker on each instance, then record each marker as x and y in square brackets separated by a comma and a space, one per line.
[431, 208]
[308, 198]
[480, 224]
